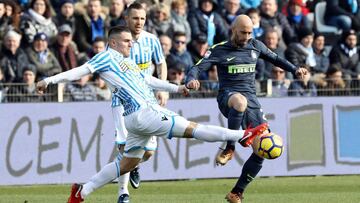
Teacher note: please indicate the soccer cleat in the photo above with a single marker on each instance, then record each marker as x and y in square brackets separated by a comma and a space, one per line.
[234, 197]
[124, 198]
[135, 178]
[225, 156]
[251, 133]
[75, 196]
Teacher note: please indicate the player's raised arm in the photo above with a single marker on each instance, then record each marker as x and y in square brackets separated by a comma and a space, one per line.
[70, 75]
[162, 85]
[202, 65]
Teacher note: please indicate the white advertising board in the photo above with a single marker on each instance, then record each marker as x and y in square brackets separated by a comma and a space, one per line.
[68, 142]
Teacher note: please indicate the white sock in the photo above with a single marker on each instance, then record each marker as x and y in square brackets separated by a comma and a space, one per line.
[212, 133]
[123, 184]
[108, 173]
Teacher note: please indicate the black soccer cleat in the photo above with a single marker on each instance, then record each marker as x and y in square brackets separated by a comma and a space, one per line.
[124, 198]
[135, 178]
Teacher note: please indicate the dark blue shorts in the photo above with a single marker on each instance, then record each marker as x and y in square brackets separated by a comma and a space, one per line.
[253, 115]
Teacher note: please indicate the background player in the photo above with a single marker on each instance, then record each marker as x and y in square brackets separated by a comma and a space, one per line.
[131, 86]
[236, 61]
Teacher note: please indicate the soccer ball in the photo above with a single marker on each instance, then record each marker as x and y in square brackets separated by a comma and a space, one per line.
[268, 146]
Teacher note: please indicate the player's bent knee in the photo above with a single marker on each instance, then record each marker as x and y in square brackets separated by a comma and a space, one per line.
[238, 102]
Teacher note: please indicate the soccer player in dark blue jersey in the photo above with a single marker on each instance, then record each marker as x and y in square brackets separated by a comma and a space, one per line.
[236, 62]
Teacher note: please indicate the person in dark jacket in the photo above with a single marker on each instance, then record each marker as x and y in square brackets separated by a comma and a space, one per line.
[204, 20]
[344, 14]
[272, 18]
[14, 58]
[347, 54]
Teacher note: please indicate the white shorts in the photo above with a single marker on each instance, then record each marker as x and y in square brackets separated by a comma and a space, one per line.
[121, 133]
[148, 122]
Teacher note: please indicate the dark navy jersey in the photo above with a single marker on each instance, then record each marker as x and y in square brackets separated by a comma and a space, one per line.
[236, 65]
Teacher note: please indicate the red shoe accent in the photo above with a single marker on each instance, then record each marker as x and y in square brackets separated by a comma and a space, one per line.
[75, 196]
[251, 133]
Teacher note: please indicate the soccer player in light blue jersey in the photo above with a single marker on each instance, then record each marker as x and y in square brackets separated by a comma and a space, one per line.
[135, 92]
[145, 51]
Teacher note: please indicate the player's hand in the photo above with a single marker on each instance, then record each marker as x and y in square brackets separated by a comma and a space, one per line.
[183, 90]
[41, 86]
[193, 84]
[162, 98]
[301, 72]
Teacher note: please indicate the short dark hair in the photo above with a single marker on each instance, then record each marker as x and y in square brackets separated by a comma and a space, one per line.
[136, 5]
[99, 39]
[117, 30]
[252, 10]
[179, 34]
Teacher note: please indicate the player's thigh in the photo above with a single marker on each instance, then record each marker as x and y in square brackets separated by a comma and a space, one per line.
[253, 117]
[137, 144]
[158, 122]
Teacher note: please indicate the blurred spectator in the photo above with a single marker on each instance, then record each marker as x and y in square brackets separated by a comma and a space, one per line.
[97, 46]
[3, 21]
[9, 17]
[212, 82]
[296, 19]
[271, 18]
[101, 89]
[347, 55]
[116, 15]
[64, 50]
[166, 44]
[149, 26]
[198, 47]
[37, 19]
[23, 4]
[303, 87]
[280, 84]
[14, 59]
[2, 86]
[26, 90]
[44, 60]
[271, 40]
[80, 90]
[246, 4]
[179, 18]
[255, 17]
[66, 14]
[89, 26]
[161, 19]
[176, 73]
[204, 20]
[178, 52]
[321, 55]
[335, 85]
[302, 52]
[231, 9]
[344, 14]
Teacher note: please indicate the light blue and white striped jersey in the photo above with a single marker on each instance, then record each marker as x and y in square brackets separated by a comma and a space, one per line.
[144, 51]
[124, 79]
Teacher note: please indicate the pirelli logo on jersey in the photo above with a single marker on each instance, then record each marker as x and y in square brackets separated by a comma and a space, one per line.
[241, 68]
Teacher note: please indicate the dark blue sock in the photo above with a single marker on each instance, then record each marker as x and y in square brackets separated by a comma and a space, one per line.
[234, 122]
[251, 168]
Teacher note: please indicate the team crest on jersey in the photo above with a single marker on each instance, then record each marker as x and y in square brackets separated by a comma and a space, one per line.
[207, 54]
[123, 66]
[253, 54]
[115, 90]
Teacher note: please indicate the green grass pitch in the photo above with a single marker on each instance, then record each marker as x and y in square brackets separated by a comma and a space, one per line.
[319, 189]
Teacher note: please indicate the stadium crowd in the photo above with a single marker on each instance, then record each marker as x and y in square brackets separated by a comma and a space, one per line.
[40, 38]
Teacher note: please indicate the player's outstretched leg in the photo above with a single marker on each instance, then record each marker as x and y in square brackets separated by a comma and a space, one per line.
[135, 178]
